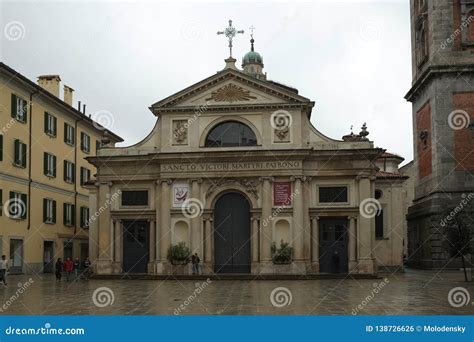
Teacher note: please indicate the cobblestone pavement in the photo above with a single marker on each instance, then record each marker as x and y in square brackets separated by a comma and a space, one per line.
[410, 293]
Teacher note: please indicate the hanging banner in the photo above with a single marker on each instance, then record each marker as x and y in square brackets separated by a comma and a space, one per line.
[282, 194]
[180, 193]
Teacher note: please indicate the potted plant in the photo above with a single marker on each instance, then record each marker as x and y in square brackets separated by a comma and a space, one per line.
[283, 254]
[179, 254]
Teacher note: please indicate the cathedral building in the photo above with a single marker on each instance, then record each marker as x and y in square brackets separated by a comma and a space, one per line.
[234, 171]
[442, 97]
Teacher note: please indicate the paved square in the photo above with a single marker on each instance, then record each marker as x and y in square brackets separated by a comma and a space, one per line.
[410, 293]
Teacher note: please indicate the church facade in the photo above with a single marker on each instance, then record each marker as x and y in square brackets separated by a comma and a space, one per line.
[234, 171]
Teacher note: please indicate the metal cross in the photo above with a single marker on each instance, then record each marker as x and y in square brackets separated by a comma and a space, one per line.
[251, 28]
[230, 33]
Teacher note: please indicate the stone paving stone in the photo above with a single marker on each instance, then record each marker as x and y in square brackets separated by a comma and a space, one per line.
[410, 293]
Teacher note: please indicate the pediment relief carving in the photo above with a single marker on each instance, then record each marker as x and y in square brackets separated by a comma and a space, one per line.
[231, 93]
[249, 185]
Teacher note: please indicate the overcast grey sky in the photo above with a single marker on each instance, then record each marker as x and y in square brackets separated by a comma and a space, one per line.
[351, 58]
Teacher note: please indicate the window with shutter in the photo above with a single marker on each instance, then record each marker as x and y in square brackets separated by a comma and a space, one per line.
[19, 153]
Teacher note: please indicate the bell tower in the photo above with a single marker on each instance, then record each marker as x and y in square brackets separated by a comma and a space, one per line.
[442, 97]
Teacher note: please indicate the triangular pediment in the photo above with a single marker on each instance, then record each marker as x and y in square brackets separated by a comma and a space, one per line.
[229, 88]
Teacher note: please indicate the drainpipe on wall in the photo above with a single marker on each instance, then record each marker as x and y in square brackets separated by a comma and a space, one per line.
[30, 127]
[75, 180]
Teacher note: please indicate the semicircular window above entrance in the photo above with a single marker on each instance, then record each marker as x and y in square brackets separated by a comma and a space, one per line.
[229, 134]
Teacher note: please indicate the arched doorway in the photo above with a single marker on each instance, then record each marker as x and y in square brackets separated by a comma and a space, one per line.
[232, 234]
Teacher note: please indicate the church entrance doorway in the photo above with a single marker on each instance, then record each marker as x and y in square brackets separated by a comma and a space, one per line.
[333, 237]
[136, 242]
[232, 234]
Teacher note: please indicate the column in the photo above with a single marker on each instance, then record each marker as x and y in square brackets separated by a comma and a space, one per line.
[298, 221]
[254, 240]
[165, 219]
[104, 261]
[152, 255]
[196, 229]
[208, 241]
[157, 219]
[366, 262]
[118, 241]
[266, 229]
[315, 243]
[352, 244]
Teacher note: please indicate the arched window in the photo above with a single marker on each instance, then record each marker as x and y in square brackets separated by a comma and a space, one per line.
[230, 133]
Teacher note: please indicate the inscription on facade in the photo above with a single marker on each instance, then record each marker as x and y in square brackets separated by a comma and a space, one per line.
[234, 166]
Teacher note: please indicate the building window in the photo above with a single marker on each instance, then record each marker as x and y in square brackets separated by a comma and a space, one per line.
[378, 194]
[49, 211]
[19, 109]
[17, 205]
[49, 166]
[68, 214]
[135, 198]
[50, 124]
[84, 217]
[69, 137]
[85, 142]
[231, 134]
[19, 153]
[85, 175]
[69, 172]
[379, 225]
[333, 194]
[98, 146]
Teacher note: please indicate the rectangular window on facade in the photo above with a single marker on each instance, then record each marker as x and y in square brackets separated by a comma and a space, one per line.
[19, 108]
[17, 205]
[49, 166]
[333, 194]
[135, 198]
[69, 172]
[50, 124]
[85, 175]
[69, 134]
[379, 225]
[98, 146]
[20, 153]
[68, 214]
[85, 142]
[84, 217]
[49, 210]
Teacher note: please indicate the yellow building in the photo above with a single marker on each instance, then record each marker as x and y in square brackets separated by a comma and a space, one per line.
[43, 143]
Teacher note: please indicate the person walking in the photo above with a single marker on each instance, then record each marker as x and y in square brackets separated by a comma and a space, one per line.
[77, 267]
[87, 268]
[59, 269]
[68, 268]
[195, 263]
[3, 269]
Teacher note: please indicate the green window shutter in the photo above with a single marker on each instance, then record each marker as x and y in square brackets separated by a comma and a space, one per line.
[65, 132]
[64, 213]
[46, 125]
[1, 147]
[65, 171]
[24, 111]
[54, 211]
[23, 155]
[55, 123]
[54, 166]
[82, 176]
[45, 163]
[16, 152]
[45, 211]
[73, 214]
[82, 141]
[13, 113]
[73, 179]
[25, 202]
[81, 212]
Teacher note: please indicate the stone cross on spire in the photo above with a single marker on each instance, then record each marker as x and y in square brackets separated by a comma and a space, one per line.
[230, 32]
